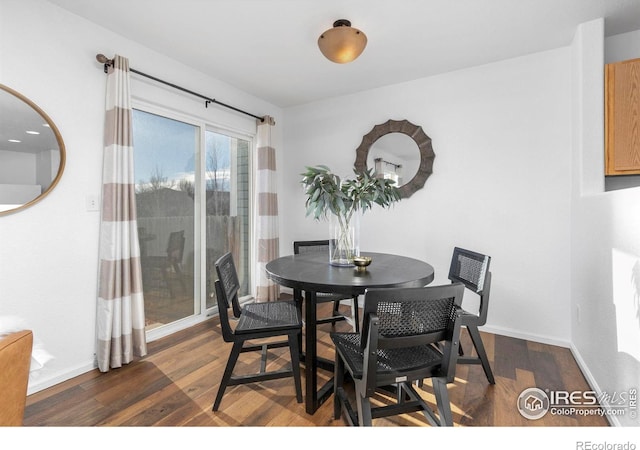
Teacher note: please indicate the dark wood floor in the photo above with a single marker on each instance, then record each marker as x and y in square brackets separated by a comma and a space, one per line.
[176, 383]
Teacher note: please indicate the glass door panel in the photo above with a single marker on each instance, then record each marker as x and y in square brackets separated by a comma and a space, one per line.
[227, 206]
[165, 171]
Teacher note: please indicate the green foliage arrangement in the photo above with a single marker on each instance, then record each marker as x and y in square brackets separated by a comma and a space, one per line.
[328, 193]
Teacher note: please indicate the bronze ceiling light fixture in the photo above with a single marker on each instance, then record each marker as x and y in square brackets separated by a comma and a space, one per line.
[342, 43]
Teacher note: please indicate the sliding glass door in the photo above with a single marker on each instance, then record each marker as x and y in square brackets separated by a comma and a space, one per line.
[193, 204]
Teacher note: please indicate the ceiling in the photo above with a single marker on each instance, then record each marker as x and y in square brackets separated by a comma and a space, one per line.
[268, 47]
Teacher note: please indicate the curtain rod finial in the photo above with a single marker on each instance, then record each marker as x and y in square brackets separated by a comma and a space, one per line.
[102, 59]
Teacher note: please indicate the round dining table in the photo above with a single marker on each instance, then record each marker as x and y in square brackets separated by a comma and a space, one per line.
[312, 273]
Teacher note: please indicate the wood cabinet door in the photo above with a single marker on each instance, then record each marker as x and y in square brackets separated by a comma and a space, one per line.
[622, 118]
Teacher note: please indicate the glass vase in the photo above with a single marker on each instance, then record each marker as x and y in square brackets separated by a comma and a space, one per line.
[344, 239]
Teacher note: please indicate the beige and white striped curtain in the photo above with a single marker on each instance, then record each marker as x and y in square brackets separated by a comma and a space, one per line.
[267, 211]
[120, 309]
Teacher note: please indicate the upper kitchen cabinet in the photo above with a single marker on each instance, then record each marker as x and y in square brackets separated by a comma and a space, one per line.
[622, 118]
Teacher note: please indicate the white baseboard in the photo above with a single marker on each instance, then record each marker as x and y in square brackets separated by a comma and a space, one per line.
[41, 382]
[593, 384]
[550, 340]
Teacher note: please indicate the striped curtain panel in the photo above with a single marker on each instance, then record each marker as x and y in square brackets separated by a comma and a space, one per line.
[267, 211]
[120, 311]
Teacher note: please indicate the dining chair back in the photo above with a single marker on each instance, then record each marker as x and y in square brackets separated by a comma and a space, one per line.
[257, 324]
[408, 334]
[322, 246]
[165, 265]
[472, 269]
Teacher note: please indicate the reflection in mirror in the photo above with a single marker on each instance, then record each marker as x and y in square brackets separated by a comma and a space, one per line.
[395, 156]
[32, 155]
[399, 150]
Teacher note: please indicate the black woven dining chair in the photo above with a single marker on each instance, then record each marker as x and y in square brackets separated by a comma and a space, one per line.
[322, 246]
[256, 321]
[472, 269]
[408, 334]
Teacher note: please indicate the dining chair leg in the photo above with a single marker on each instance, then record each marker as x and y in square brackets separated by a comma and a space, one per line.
[482, 354]
[228, 371]
[298, 301]
[400, 393]
[336, 308]
[294, 350]
[355, 314]
[338, 382]
[364, 410]
[442, 401]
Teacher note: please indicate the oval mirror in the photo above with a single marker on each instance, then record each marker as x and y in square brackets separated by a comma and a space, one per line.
[399, 150]
[32, 154]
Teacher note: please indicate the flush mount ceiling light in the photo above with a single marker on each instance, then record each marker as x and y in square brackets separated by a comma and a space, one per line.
[342, 43]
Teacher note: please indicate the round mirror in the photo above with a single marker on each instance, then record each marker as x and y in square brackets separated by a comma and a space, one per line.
[399, 150]
[32, 154]
[394, 156]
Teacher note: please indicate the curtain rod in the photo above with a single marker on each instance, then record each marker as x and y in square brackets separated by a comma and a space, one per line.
[108, 62]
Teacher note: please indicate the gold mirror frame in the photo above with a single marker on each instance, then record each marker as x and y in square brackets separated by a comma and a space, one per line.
[61, 149]
[414, 132]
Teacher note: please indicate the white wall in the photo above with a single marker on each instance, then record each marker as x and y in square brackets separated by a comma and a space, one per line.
[622, 47]
[605, 251]
[501, 183]
[48, 253]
